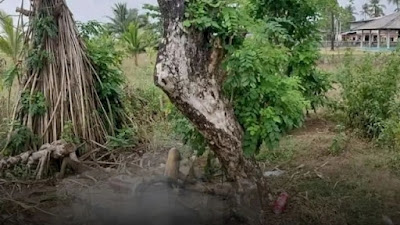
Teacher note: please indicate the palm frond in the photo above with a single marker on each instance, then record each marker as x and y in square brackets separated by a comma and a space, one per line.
[11, 39]
[9, 75]
[6, 48]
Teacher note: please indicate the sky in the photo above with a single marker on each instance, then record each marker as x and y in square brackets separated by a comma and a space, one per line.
[85, 10]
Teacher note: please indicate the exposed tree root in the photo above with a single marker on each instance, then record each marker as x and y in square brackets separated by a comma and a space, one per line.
[41, 158]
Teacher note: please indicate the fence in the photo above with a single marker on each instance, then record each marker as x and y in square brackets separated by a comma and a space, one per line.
[349, 44]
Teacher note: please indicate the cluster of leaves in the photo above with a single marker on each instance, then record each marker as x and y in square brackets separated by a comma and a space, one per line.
[34, 104]
[18, 140]
[68, 134]
[37, 58]
[256, 74]
[315, 83]
[216, 17]
[10, 74]
[137, 40]
[371, 94]
[124, 138]
[11, 38]
[91, 29]
[296, 25]
[106, 60]
[44, 26]
[302, 15]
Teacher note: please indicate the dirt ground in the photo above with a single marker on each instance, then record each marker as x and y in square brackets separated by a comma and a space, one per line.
[332, 177]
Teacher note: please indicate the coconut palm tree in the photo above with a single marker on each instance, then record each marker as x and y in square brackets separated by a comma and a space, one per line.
[123, 17]
[11, 45]
[376, 8]
[10, 38]
[365, 11]
[395, 2]
[134, 41]
[350, 10]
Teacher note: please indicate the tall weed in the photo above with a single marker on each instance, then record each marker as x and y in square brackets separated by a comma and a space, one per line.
[370, 95]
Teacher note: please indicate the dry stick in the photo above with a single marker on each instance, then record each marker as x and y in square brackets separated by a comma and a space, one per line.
[27, 207]
[100, 145]
[15, 115]
[30, 116]
[52, 115]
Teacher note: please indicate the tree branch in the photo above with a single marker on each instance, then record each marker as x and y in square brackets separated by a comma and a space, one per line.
[25, 12]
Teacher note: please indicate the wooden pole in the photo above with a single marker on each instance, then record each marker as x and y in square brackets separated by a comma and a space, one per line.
[388, 39]
[370, 38]
[362, 39]
[379, 39]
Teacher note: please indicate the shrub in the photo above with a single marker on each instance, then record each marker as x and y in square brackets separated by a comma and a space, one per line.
[124, 138]
[370, 93]
[256, 75]
[17, 141]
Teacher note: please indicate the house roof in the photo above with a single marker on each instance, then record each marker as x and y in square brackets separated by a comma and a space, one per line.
[349, 32]
[356, 24]
[389, 22]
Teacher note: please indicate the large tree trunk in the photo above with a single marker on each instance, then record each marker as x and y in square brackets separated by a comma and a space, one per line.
[188, 70]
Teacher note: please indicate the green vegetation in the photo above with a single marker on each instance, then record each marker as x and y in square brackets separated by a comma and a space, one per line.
[123, 17]
[10, 38]
[134, 40]
[370, 93]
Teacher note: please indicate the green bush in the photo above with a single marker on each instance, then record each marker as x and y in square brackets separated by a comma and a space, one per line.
[17, 141]
[125, 138]
[371, 96]
[267, 103]
[339, 142]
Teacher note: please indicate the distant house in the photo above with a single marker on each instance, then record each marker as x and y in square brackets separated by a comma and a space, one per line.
[376, 32]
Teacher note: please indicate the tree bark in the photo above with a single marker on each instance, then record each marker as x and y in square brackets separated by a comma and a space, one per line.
[188, 70]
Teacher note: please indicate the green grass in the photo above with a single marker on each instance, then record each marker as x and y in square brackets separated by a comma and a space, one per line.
[139, 76]
[284, 152]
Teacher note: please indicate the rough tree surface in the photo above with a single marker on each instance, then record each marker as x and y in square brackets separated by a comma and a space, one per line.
[189, 72]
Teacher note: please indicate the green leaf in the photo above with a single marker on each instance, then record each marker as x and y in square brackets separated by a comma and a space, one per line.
[187, 23]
